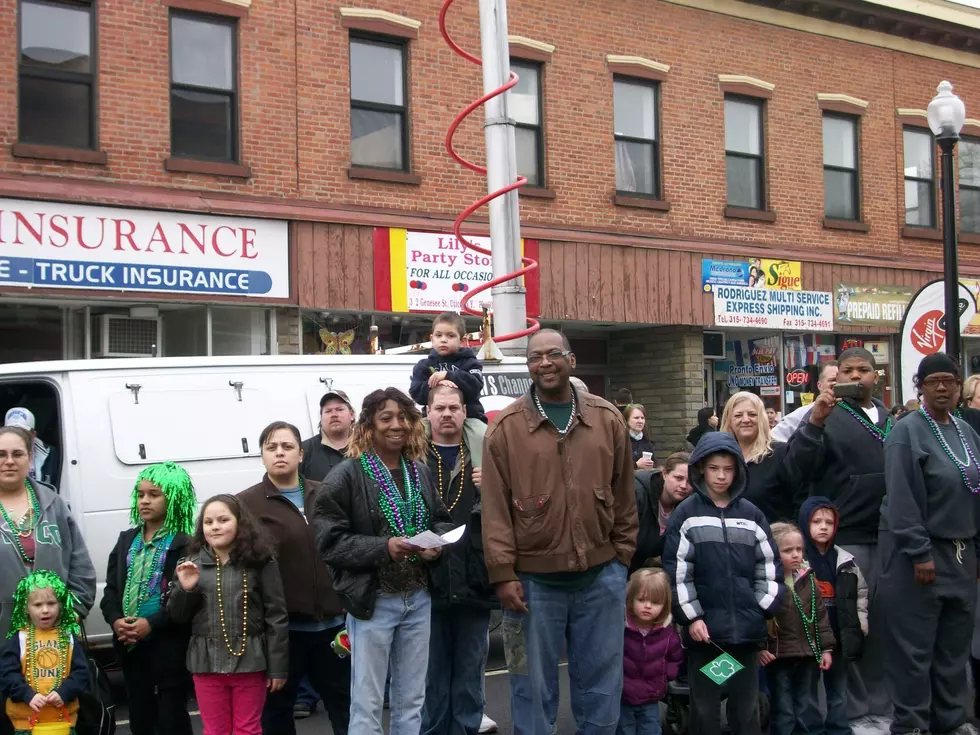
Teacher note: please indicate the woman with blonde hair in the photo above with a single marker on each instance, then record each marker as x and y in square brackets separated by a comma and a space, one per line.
[370, 506]
[778, 472]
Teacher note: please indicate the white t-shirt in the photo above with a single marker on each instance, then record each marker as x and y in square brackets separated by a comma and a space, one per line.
[872, 413]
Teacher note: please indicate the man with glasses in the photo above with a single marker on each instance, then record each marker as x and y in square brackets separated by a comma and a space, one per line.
[559, 531]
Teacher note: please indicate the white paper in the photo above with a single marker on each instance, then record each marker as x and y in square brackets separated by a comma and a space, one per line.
[429, 540]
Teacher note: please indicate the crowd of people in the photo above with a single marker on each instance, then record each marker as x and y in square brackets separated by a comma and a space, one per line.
[842, 557]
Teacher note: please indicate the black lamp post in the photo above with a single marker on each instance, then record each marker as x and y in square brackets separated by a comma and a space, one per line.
[946, 116]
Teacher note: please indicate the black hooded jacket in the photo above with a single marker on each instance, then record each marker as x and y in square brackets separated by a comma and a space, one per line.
[462, 368]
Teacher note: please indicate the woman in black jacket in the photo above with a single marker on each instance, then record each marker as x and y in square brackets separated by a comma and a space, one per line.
[643, 447]
[371, 505]
[658, 492]
[151, 647]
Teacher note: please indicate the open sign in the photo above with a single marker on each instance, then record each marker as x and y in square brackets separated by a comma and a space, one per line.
[797, 378]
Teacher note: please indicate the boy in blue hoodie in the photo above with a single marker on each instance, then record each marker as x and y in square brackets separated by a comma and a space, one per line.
[725, 571]
[845, 595]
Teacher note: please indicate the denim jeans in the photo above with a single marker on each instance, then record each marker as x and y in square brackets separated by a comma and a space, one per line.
[306, 694]
[835, 686]
[559, 621]
[397, 635]
[639, 719]
[792, 683]
[458, 647]
[521, 698]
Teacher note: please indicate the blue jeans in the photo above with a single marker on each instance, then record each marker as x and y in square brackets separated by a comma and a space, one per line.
[396, 635]
[639, 719]
[835, 686]
[458, 647]
[559, 620]
[792, 683]
[306, 694]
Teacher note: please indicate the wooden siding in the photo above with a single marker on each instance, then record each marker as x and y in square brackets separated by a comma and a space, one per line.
[333, 266]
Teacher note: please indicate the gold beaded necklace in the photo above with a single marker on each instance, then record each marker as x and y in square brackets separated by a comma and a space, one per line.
[221, 611]
[462, 465]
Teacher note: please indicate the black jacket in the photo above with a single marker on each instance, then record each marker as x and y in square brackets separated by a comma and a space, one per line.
[851, 473]
[648, 485]
[172, 637]
[777, 485]
[460, 577]
[318, 459]
[641, 445]
[348, 524]
[462, 368]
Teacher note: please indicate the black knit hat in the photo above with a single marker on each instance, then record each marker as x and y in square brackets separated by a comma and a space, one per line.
[938, 362]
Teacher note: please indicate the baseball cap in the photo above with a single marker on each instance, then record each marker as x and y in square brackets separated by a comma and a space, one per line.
[335, 394]
[19, 417]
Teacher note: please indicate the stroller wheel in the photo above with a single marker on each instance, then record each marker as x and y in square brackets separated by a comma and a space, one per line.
[676, 718]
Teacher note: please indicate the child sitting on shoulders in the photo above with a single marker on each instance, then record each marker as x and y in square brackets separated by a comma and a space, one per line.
[43, 668]
[652, 653]
[800, 641]
[449, 361]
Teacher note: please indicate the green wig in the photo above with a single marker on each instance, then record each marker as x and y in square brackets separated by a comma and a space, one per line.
[177, 487]
[39, 580]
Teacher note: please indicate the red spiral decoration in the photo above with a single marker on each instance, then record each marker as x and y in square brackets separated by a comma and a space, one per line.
[529, 263]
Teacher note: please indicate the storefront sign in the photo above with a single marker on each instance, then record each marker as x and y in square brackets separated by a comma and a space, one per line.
[923, 329]
[871, 305]
[738, 306]
[431, 272]
[879, 350]
[796, 378]
[56, 245]
[773, 274]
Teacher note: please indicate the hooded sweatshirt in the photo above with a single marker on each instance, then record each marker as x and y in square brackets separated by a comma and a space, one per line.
[839, 580]
[461, 367]
[723, 564]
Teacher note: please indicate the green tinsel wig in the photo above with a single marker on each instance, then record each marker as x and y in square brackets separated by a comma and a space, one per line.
[19, 619]
[177, 487]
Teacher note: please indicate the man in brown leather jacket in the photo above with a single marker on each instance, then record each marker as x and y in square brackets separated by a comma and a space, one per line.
[559, 530]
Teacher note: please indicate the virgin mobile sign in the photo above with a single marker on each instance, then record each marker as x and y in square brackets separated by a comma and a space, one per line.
[55, 245]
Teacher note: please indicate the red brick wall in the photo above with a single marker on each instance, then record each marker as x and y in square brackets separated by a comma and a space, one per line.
[277, 49]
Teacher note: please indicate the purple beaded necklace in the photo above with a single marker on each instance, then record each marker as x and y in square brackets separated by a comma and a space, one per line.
[960, 465]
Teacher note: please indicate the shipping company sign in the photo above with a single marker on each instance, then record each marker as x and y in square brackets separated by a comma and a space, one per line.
[55, 245]
[756, 273]
[743, 306]
[432, 272]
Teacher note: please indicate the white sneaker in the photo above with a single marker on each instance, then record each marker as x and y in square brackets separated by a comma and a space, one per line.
[487, 725]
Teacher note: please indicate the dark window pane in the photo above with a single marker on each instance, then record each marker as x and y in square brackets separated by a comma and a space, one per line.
[635, 109]
[743, 182]
[201, 125]
[376, 139]
[202, 53]
[55, 113]
[839, 194]
[743, 127]
[838, 142]
[527, 155]
[919, 204]
[56, 37]
[635, 167]
[376, 73]
[970, 210]
[525, 98]
[918, 154]
[969, 155]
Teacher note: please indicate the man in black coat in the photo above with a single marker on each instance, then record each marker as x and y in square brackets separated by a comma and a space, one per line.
[461, 593]
[327, 448]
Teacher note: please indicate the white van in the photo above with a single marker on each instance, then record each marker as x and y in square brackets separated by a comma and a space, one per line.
[109, 418]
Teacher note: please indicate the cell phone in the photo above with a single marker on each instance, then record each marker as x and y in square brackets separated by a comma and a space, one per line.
[847, 390]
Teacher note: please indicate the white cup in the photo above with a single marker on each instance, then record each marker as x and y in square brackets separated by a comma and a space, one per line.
[648, 455]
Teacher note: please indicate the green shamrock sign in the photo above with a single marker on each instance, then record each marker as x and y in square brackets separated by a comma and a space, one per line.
[721, 669]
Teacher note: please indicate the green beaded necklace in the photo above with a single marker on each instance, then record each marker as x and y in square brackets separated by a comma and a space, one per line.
[810, 622]
[17, 530]
[876, 431]
[408, 514]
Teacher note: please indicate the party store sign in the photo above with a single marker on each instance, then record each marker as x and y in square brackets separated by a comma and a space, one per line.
[742, 306]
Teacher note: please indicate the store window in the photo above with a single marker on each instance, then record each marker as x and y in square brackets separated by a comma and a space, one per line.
[752, 364]
[185, 332]
[30, 332]
[239, 331]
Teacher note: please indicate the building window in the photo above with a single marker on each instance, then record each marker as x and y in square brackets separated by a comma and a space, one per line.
[378, 124]
[969, 154]
[635, 120]
[920, 186]
[203, 88]
[744, 160]
[840, 167]
[525, 108]
[56, 75]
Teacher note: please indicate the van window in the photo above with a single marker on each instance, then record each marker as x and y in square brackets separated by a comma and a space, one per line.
[42, 400]
[187, 425]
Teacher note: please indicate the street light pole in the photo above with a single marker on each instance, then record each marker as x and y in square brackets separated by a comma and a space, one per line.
[946, 115]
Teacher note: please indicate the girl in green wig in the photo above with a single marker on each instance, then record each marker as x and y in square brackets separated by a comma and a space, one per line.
[150, 647]
[42, 666]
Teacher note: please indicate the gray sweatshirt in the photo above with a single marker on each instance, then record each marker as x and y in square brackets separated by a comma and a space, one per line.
[925, 496]
[59, 548]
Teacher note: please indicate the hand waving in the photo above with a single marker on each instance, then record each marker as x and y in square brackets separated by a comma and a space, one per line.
[188, 575]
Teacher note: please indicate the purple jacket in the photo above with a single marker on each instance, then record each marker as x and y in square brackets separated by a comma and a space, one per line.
[649, 662]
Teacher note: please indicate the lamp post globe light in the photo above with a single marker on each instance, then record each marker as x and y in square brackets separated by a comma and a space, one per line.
[946, 116]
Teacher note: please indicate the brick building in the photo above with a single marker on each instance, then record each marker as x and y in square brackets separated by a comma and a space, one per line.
[186, 177]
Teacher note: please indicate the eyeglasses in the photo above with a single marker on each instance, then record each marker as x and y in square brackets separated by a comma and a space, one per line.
[535, 358]
[936, 382]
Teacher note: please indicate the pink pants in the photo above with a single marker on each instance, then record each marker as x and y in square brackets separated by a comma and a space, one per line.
[231, 703]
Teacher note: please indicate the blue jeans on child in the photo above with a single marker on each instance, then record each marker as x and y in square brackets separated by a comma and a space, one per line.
[639, 719]
[791, 686]
[396, 636]
[835, 686]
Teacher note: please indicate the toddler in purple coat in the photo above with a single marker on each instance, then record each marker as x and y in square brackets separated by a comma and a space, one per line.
[652, 653]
